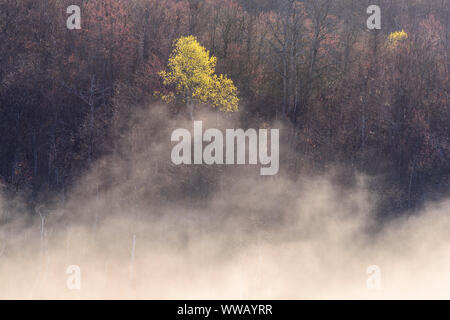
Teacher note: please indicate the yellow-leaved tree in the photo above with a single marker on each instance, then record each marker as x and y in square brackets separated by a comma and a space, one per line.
[396, 37]
[192, 76]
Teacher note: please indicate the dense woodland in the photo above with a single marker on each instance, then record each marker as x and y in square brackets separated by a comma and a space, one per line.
[348, 96]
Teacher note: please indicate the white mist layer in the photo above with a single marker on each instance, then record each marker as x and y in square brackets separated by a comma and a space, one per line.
[251, 238]
[320, 251]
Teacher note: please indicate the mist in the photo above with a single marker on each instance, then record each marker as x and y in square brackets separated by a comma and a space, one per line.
[140, 227]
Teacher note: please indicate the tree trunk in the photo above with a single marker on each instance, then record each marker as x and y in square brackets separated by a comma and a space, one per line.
[190, 107]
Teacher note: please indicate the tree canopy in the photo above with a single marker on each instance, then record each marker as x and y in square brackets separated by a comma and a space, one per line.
[192, 75]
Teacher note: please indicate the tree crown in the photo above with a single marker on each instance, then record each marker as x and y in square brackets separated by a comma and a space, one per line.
[192, 74]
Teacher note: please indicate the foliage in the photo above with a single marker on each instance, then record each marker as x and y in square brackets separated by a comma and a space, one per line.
[192, 73]
[345, 98]
[396, 37]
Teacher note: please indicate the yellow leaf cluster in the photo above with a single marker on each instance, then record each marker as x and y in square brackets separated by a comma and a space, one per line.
[192, 74]
[397, 36]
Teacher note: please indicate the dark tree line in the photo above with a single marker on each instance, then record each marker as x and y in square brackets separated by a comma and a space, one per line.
[347, 94]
